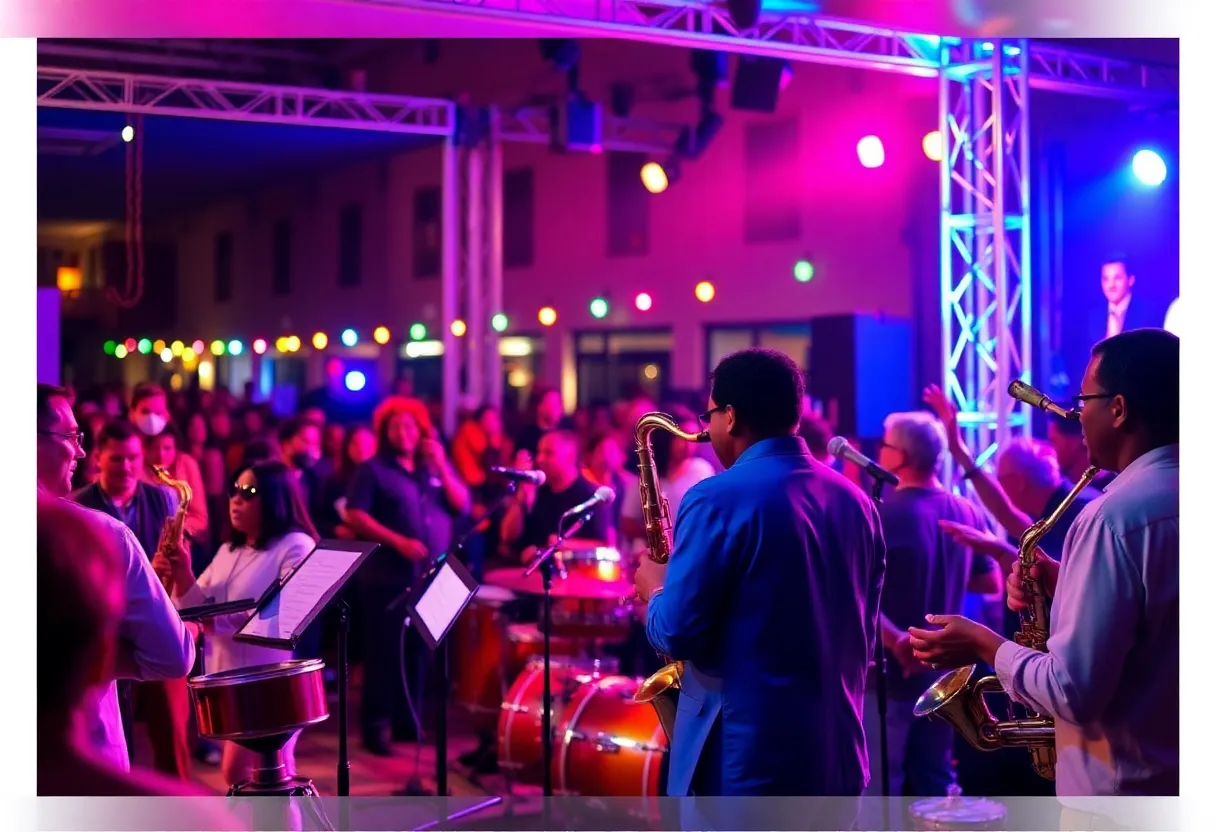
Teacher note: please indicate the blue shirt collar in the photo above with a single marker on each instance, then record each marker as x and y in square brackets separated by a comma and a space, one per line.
[1164, 456]
[777, 446]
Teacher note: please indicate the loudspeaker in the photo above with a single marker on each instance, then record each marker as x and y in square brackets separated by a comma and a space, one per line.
[757, 84]
[861, 370]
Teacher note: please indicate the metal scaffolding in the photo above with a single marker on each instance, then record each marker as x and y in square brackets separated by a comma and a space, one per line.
[985, 238]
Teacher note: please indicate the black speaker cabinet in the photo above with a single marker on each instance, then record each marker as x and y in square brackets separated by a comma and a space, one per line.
[861, 371]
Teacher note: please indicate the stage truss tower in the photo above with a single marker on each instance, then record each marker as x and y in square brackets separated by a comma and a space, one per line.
[985, 226]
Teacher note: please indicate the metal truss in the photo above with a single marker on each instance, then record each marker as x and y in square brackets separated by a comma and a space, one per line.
[86, 89]
[532, 124]
[985, 240]
[799, 36]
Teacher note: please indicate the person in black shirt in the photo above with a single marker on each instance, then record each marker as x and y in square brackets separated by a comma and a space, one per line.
[532, 518]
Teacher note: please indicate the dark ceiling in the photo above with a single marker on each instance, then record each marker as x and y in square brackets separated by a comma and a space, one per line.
[187, 162]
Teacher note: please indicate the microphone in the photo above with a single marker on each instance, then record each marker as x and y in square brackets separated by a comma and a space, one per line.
[1023, 392]
[520, 475]
[840, 447]
[603, 495]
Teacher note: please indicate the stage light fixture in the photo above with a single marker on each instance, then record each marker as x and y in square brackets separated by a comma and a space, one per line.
[177, 347]
[932, 145]
[166, 355]
[350, 337]
[499, 322]
[320, 340]
[643, 302]
[458, 328]
[145, 346]
[804, 270]
[418, 332]
[547, 316]
[870, 152]
[705, 291]
[259, 346]
[109, 347]
[599, 308]
[217, 347]
[235, 347]
[381, 335]
[1149, 167]
[120, 350]
[355, 381]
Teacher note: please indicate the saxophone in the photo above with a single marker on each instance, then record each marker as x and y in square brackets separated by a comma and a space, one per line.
[958, 696]
[175, 526]
[662, 689]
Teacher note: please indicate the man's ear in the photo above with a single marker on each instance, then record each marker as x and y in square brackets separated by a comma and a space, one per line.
[1118, 409]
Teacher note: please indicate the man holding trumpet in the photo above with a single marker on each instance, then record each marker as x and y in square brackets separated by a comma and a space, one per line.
[1110, 675]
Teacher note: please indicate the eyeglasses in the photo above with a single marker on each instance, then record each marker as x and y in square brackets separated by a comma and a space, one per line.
[704, 417]
[76, 436]
[245, 492]
[1080, 399]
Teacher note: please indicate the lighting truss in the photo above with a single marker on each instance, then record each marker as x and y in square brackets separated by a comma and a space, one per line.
[802, 37]
[87, 89]
[985, 238]
[532, 124]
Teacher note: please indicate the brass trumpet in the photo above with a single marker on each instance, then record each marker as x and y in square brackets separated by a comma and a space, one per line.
[958, 696]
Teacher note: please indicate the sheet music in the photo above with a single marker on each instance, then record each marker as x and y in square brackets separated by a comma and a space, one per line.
[282, 617]
[442, 601]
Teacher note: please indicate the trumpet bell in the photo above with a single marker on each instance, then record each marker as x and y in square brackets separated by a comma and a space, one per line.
[957, 697]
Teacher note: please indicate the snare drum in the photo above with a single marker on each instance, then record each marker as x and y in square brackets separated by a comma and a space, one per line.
[251, 703]
[525, 643]
[477, 677]
[603, 563]
[608, 745]
[519, 723]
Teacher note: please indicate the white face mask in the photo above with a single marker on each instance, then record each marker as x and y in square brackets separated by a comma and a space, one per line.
[151, 424]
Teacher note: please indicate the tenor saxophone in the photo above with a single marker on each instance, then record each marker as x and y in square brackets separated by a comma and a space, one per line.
[958, 696]
[662, 689]
[175, 525]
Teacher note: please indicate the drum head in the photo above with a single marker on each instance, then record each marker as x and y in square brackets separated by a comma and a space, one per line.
[257, 673]
[490, 592]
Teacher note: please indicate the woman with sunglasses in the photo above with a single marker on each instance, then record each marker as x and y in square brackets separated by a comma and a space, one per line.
[271, 533]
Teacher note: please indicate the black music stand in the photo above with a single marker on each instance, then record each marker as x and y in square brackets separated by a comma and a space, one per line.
[434, 605]
[213, 610]
[291, 604]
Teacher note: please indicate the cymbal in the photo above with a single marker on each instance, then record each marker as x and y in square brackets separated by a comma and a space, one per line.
[574, 585]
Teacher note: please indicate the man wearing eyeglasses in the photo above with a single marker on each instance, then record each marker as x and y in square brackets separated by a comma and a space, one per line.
[1110, 675]
[154, 643]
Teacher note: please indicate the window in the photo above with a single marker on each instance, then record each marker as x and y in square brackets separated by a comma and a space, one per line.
[350, 246]
[428, 233]
[616, 365]
[517, 219]
[223, 268]
[628, 206]
[772, 196]
[793, 339]
[281, 256]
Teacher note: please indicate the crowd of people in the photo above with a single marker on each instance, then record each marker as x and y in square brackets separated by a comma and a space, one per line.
[770, 542]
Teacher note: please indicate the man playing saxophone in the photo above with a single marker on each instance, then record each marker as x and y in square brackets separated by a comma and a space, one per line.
[770, 599]
[1110, 674]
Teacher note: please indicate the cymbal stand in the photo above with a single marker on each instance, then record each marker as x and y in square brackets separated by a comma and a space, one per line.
[544, 561]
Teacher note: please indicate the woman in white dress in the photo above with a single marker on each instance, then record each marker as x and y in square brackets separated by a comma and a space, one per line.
[271, 533]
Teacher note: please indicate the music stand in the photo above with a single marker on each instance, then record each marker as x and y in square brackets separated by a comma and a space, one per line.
[290, 606]
[433, 606]
[202, 612]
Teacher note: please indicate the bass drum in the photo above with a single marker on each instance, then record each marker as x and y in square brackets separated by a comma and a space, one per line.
[609, 745]
[520, 751]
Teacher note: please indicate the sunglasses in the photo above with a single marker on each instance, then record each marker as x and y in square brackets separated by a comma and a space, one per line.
[245, 492]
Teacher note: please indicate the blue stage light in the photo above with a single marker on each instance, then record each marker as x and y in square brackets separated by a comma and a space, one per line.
[1149, 168]
[355, 381]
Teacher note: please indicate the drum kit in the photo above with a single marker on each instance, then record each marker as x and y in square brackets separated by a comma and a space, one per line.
[605, 744]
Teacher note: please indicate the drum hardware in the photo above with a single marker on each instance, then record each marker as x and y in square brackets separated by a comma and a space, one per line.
[544, 562]
[260, 709]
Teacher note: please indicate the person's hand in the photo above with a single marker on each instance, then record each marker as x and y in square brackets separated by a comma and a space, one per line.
[177, 554]
[527, 554]
[648, 578]
[1045, 570]
[344, 532]
[940, 403]
[908, 663]
[979, 541]
[163, 568]
[411, 549]
[432, 452]
[958, 643]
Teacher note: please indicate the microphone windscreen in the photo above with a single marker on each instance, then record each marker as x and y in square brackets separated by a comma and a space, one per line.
[605, 494]
[837, 445]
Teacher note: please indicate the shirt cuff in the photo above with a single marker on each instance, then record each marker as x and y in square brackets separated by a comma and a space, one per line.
[1010, 657]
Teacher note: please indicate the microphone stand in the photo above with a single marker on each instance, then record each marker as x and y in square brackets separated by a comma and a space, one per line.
[441, 720]
[880, 661]
[343, 730]
[544, 562]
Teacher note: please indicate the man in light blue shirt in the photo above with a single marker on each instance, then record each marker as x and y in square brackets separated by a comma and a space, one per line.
[1110, 676]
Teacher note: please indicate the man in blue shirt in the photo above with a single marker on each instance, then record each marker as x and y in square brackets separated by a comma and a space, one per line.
[770, 599]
